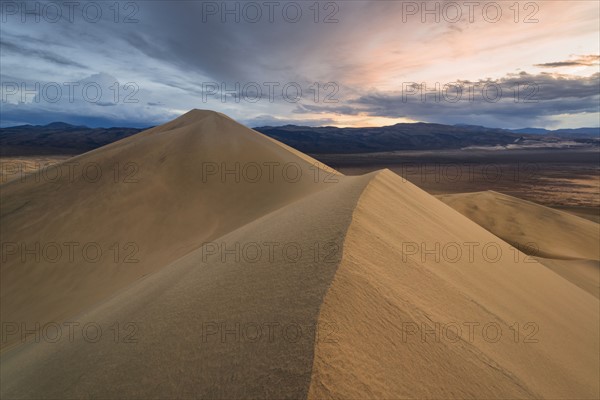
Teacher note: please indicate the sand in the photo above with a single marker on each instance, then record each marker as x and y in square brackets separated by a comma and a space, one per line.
[567, 244]
[277, 289]
[379, 294]
[159, 208]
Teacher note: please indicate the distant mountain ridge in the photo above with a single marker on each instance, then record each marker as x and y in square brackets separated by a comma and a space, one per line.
[64, 138]
[578, 132]
[57, 138]
[413, 136]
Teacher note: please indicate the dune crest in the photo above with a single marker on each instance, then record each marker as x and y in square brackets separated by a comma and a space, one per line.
[398, 309]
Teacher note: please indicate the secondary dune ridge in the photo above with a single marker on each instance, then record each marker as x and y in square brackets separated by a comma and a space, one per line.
[565, 243]
[322, 286]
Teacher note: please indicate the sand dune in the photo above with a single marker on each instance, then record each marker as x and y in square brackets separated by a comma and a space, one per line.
[169, 196]
[583, 273]
[320, 288]
[537, 230]
[567, 244]
[381, 293]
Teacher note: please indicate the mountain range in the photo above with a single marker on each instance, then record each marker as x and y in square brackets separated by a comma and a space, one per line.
[63, 138]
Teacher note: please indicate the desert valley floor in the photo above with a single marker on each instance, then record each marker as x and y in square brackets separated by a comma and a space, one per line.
[288, 279]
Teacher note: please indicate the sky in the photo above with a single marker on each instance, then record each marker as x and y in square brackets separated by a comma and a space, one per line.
[503, 64]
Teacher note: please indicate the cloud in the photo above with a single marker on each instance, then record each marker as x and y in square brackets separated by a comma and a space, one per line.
[484, 101]
[39, 54]
[268, 120]
[587, 60]
[97, 100]
[368, 50]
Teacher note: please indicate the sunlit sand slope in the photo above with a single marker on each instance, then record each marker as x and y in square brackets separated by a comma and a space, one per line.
[539, 230]
[405, 317]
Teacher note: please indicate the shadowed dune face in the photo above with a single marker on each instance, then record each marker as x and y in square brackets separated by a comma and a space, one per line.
[345, 278]
[187, 315]
[129, 208]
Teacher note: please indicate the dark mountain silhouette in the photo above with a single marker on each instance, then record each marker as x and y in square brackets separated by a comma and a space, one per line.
[57, 138]
[416, 136]
[63, 138]
[565, 133]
